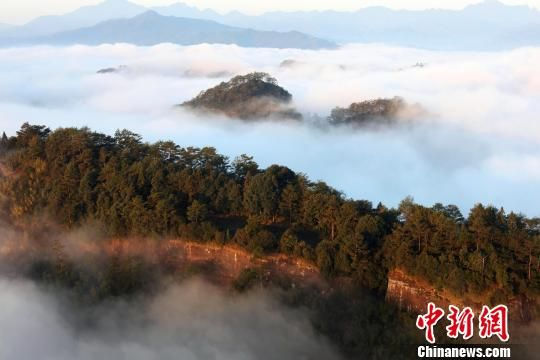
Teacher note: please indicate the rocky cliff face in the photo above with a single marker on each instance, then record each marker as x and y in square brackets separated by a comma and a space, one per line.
[221, 264]
[225, 263]
[409, 293]
[413, 295]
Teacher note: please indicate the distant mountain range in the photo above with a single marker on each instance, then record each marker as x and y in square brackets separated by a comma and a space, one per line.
[490, 25]
[150, 28]
[83, 17]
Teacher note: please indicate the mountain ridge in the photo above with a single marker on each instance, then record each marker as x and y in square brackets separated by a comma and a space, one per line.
[484, 26]
[487, 26]
[151, 28]
[82, 17]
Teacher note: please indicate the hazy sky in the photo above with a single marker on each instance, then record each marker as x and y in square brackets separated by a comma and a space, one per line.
[20, 11]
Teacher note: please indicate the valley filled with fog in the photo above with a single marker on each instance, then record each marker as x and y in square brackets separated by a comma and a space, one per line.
[477, 142]
[193, 320]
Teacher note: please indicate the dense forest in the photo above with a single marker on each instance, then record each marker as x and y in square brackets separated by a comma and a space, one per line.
[76, 176]
[252, 96]
[379, 111]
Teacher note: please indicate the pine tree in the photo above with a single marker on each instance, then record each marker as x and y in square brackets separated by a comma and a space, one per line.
[4, 144]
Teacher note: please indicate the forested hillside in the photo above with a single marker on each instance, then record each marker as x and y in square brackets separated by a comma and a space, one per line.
[248, 97]
[378, 112]
[76, 177]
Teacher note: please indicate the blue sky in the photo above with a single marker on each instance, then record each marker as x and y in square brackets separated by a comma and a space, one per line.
[20, 11]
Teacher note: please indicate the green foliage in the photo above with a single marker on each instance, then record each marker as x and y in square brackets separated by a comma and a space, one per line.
[247, 279]
[256, 238]
[4, 144]
[197, 212]
[243, 166]
[326, 254]
[263, 191]
[76, 176]
[486, 251]
[289, 242]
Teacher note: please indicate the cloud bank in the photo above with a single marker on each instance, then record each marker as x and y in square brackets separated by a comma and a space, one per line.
[191, 321]
[479, 145]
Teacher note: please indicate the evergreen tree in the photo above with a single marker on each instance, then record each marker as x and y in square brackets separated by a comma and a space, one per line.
[130, 187]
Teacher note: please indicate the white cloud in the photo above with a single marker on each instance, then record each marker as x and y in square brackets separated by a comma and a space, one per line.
[516, 166]
[484, 108]
[192, 321]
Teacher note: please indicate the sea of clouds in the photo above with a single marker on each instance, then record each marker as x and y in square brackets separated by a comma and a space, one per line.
[480, 142]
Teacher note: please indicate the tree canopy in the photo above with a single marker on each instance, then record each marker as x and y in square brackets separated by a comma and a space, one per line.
[76, 176]
[370, 112]
[252, 96]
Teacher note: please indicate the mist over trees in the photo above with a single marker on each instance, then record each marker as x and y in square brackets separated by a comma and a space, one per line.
[257, 96]
[130, 189]
[368, 112]
[76, 176]
[378, 112]
[253, 96]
